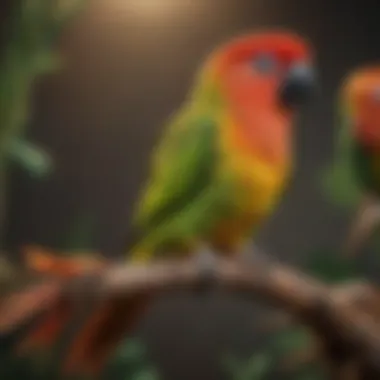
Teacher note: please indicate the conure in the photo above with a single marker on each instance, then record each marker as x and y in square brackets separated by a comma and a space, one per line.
[354, 177]
[226, 155]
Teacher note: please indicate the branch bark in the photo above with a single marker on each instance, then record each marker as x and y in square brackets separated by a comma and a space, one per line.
[345, 318]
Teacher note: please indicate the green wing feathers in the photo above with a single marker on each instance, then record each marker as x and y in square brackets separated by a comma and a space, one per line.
[182, 163]
[184, 192]
[338, 180]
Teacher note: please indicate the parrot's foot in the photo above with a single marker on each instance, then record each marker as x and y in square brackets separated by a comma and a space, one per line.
[206, 261]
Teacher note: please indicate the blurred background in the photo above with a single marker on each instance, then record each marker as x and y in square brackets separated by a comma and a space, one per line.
[128, 65]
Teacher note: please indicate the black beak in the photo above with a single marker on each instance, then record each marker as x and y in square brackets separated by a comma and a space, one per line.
[299, 86]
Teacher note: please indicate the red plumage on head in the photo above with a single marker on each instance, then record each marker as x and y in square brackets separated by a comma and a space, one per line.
[361, 96]
[287, 47]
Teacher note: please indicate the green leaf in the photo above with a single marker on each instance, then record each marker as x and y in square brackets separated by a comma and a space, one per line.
[31, 158]
[255, 368]
[292, 339]
[328, 266]
[258, 366]
[47, 62]
[129, 363]
[131, 350]
[147, 373]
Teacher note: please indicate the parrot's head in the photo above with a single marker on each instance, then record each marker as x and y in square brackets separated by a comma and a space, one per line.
[274, 68]
[263, 78]
[361, 95]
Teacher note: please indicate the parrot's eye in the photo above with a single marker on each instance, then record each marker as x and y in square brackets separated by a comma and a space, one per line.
[265, 64]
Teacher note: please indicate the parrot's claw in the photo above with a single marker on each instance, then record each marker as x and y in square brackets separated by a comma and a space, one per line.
[206, 260]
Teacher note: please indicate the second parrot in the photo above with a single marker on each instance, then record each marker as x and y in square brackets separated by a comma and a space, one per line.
[354, 177]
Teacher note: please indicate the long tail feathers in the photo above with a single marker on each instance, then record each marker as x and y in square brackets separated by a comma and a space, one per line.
[365, 222]
[48, 328]
[102, 330]
[103, 333]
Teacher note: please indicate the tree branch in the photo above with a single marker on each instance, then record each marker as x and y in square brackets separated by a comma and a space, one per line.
[345, 318]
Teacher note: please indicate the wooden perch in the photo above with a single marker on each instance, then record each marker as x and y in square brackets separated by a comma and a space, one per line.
[345, 318]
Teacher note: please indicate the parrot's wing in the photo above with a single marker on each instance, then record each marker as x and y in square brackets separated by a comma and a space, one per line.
[339, 182]
[183, 167]
[30, 158]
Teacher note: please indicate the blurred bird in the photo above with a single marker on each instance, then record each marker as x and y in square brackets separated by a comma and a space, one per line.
[354, 177]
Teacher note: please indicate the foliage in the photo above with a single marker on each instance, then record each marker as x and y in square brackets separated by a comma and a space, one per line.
[329, 266]
[29, 53]
[255, 368]
[129, 363]
[267, 362]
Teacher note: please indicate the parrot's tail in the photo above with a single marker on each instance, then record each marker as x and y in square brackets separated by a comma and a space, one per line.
[103, 329]
[117, 317]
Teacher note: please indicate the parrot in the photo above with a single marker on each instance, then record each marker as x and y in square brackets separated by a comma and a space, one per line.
[225, 156]
[217, 173]
[354, 178]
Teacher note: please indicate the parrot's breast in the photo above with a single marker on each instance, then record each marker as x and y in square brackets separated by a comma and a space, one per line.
[258, 185]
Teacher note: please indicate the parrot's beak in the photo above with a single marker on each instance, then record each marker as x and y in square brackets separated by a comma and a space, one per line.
[299, 85]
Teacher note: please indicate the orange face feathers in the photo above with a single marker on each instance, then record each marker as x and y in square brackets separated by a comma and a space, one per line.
[361, 95]
[262, 79]
[269, 69]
